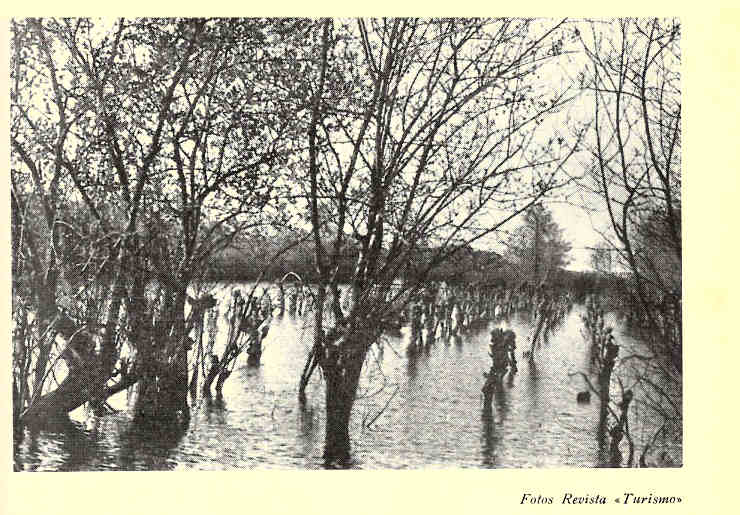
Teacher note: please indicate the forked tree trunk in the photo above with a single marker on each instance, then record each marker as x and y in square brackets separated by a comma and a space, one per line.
[88, 371]
[78, 387]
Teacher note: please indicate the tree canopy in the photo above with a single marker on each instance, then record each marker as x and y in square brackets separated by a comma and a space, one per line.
[537, 247]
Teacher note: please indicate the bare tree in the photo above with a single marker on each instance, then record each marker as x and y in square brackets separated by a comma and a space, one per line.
[634, 77]
[418, 131]
[165, 133]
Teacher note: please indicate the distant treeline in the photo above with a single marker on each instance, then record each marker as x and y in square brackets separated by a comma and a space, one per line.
[251, 258]
[248, 258]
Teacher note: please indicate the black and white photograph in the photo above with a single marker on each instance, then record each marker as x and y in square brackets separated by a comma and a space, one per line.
[377, 243]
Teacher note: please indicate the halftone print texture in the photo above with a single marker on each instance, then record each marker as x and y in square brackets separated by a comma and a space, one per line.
[248, 243]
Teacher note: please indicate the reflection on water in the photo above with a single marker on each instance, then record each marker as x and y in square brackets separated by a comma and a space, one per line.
[412, 412]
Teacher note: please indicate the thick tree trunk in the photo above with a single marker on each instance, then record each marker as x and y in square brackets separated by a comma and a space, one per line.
[342, 368]
[74, 391]
[340, 396]
[162, 394]
[163, 385]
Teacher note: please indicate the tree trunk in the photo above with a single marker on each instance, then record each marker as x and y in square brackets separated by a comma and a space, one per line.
[74, 391]
[46, 301]
[311, 362]
[604, 397]
[281, 303]
[16, 402]
[607, 366]
[342, 367]
[162, 394]
[88, 372]
[199, 327]
[80, 386]
[254, 349]
[618, 432]
[222, 377]
[163, 386]
[212, 374]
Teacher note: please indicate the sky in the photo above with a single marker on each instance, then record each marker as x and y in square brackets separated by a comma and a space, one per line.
[578, 229]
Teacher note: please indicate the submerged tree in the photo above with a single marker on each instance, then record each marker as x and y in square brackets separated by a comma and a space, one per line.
[422, 135]
[633, 77]
[166, 133]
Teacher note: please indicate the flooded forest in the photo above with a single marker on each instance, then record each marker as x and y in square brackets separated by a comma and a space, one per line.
[293, 243]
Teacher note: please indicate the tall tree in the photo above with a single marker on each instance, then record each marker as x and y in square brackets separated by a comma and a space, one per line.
[168, 132]
[537, 246]
[634, 79]
[418, 130]
[602, 258]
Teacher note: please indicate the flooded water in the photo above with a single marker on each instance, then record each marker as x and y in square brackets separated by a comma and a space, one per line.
[419, 413]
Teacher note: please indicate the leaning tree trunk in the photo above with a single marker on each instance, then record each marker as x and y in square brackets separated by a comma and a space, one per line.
[222, 377]
[88, 371]
[311, 362]
[77, 388]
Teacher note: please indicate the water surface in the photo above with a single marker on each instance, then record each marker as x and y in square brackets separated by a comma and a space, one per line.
[425, 413]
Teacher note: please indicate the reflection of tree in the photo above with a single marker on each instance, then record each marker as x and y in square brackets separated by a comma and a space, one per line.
[309, 429]
[80, 449]
[491, 425]
[146, 446]
[490, 437]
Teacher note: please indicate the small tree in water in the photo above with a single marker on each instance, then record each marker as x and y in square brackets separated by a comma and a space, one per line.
[249, 323]
[503, 359]
[604, 352]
